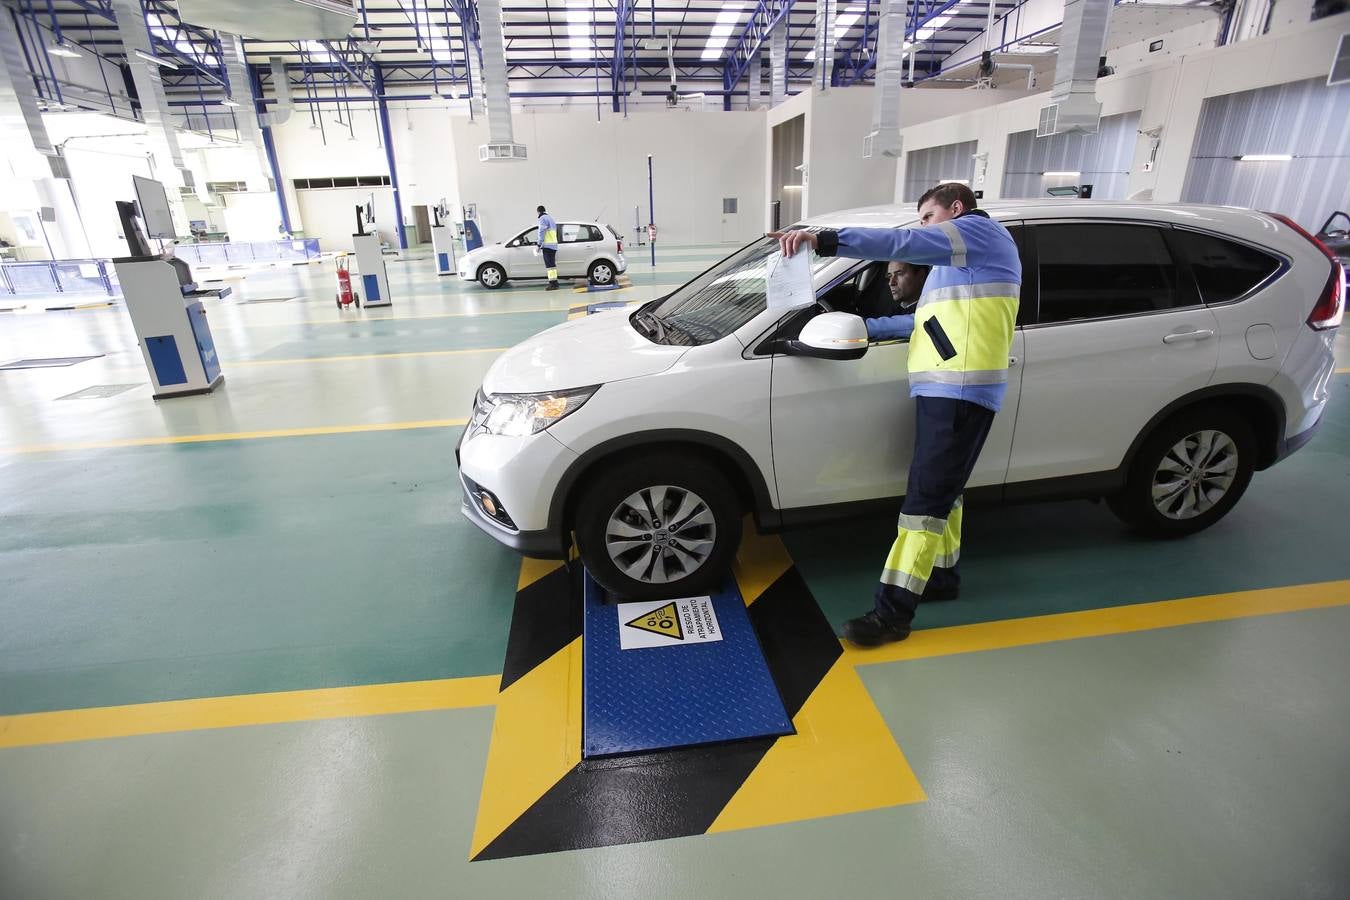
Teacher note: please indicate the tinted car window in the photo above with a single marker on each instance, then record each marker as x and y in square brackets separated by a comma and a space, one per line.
[1090, 271]
[529, 237]
[1223, 270]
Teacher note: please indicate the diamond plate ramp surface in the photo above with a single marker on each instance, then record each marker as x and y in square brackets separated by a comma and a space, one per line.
[673, 691]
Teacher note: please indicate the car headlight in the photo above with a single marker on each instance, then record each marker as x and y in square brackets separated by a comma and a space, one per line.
[518, 415]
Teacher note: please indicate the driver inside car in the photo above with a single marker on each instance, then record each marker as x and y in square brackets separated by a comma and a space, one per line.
[906, 283]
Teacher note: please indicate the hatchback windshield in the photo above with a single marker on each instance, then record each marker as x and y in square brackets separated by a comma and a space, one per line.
[717, 302]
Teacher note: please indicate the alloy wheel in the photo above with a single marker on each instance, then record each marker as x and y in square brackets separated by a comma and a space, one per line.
[1195, 474]
[660, 534]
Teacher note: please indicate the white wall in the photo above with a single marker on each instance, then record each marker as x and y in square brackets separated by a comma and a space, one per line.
[838, 177]
[580, 168]
[1167, 94]
[330, 215]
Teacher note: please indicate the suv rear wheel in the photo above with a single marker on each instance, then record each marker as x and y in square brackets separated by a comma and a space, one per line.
[1188, 474]
[659, 526]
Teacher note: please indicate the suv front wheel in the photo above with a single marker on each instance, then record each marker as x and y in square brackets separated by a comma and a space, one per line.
[659, 526]
[1188, 474]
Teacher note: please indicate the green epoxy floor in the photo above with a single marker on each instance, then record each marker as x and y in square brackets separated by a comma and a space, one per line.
[1201, 761]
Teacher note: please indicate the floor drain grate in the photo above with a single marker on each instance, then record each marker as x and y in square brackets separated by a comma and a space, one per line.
[99, 392]
[51, 362]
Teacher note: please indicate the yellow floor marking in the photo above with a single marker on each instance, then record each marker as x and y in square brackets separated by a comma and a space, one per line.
[842, 759]
[534, 701]
[365, 356]
[531, 570]
[449, 315]
[760, 561]
[1343, 371]
[246, 709]
[236, 436]
[1100, 622]
[536, 740]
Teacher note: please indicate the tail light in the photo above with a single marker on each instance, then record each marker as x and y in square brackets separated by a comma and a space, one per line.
[620, 245]
[1330, 307]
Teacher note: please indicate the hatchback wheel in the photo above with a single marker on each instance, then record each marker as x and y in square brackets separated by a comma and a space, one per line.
[491, 275]
[659, 526]
[602, 272]
[1188, 474]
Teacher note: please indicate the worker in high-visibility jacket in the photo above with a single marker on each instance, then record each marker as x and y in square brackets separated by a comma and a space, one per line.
[960, 336]
[548, 244]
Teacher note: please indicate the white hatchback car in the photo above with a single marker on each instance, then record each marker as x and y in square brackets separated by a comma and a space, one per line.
[587, 249]
[1162, 354]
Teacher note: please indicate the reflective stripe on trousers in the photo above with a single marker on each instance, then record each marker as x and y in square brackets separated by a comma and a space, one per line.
[922, 544]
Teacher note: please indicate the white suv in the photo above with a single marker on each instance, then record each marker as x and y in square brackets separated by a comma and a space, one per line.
[1162, 354]
[587, 249]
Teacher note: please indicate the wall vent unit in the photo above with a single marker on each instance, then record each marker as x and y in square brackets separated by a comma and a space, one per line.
[491, 152]
[1049, 118]
[59, 167]
[314, 184]
[226, 187]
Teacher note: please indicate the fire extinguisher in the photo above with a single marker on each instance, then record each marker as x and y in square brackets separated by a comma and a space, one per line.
[345, 294]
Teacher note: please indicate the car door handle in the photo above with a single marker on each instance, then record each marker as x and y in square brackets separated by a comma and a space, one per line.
[1198, 335]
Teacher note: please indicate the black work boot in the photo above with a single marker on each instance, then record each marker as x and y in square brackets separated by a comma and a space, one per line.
[871, 630]
[552, 286]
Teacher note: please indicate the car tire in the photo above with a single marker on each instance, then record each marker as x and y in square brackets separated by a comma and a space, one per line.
[614, 537]
[1188, 473]
[491, 276]
[601, 272]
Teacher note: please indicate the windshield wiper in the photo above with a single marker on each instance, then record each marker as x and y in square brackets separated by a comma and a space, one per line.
[648, 320]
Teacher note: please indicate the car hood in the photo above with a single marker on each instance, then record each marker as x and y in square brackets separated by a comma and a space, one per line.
[584, 352]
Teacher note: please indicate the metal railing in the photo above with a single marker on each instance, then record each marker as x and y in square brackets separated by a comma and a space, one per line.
[57, 276]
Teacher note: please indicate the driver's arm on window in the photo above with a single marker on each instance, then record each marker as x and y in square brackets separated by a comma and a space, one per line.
[890, 328]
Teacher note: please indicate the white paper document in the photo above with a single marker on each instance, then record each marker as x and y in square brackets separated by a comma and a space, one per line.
[789, 281]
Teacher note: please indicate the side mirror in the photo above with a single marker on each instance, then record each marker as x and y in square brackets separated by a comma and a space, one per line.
[831, 335]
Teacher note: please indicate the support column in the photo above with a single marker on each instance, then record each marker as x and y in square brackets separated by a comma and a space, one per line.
[387, 132]
[778, 64]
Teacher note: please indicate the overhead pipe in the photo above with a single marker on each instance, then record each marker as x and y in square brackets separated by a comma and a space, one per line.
[496, 87]
[281, 86]
[1074, 95]
[133, 30]
[824, 43]
[884, 138]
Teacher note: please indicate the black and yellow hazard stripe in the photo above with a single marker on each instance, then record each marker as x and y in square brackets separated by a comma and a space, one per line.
[539, 796]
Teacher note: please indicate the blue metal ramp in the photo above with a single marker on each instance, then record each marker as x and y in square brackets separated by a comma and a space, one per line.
[678, 673]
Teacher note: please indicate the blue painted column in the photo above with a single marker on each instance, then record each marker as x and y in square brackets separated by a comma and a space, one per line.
[389, 154]
[270, 148]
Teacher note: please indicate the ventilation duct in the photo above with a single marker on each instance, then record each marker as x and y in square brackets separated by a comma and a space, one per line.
[1073, 100]
[22, 132]
[824, 44]
[778, 64]
[281, 87]
[884, 138]
[501, 142]
[155, 111]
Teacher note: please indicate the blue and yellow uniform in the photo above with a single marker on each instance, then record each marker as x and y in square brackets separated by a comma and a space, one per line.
[960, 337]
[548, 244]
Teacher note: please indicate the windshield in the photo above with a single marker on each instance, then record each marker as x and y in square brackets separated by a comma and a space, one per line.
[720, 300]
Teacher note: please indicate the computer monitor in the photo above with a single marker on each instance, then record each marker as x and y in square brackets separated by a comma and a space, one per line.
[153, 204]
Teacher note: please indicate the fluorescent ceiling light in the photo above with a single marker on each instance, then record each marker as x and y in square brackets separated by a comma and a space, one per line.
[931, 27]
[580, 29]
[65, 49]
[1060, 174]
[230, 102]
[721, 30]
[157, 60]
[1032, 47]
[792, 187]
[955, 181]
[1264, 157]
[317, 50]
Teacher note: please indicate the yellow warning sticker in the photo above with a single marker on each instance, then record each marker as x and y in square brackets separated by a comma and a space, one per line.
[663, 621]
